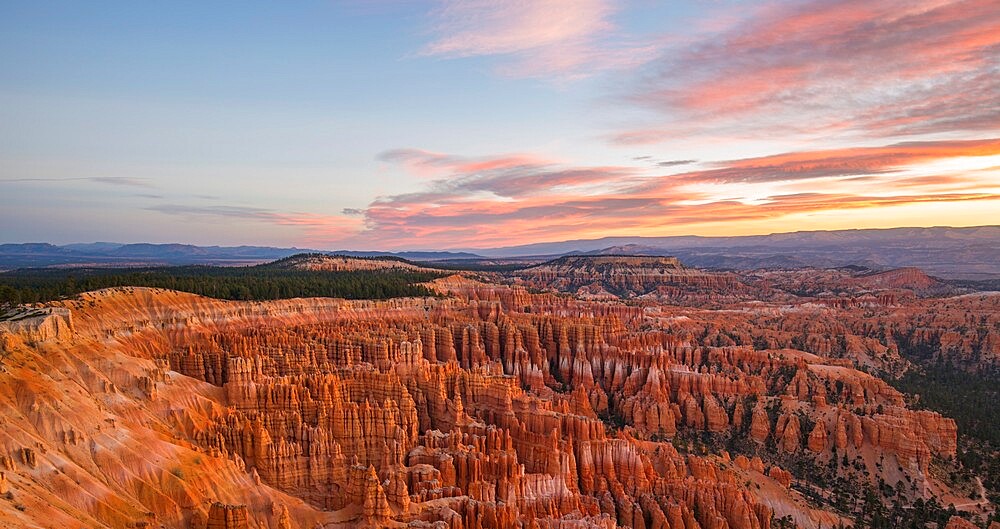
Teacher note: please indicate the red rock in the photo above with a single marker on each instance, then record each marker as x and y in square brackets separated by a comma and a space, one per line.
[790, 436]
[817, 438]
[760, 425]
[959, 523]
[840, 434]
[781, 476]
[222, 516]
[716, 419]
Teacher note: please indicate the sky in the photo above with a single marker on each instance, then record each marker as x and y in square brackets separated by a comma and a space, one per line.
[392, 124]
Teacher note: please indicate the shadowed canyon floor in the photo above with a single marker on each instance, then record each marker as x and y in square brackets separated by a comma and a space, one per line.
[636, 393]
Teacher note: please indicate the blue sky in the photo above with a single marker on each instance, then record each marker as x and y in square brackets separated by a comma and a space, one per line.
[467, 124]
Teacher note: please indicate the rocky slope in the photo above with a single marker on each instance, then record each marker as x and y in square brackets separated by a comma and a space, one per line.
[91, 436]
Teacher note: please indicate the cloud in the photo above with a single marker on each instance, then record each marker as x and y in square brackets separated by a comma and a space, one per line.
[317, 227]
[427, 163]
[122, 181]
[938, 180]
[488, 27]
[510, 176]
[110, 180]
[236, 212]
[672, 163]
[838, 162]
[538, 38]
[875, 68]
[484, 224]
[511, 199]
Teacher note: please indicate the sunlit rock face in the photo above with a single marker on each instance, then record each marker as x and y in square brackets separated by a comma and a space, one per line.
[488, 407]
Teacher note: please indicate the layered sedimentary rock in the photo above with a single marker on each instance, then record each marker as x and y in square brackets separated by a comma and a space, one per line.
[221, 516]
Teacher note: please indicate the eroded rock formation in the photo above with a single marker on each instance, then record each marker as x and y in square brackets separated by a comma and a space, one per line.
[491, 407]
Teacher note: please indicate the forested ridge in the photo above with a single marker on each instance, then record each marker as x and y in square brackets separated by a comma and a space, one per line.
[234, 283]
[970, 398]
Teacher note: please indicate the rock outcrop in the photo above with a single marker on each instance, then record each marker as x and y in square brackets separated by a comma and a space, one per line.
[221, 516]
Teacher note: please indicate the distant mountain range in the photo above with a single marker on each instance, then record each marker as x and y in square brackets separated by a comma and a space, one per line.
[953, 253]
[146, 254]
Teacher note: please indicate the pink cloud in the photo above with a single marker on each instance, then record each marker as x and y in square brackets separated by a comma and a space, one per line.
[872, 67]
[513, 175]
[539, 38]
[488, 27]
[427, 163]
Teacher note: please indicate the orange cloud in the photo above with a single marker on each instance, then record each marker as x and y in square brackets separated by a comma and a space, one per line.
[838, 162]
[514, 199]
[500, 200]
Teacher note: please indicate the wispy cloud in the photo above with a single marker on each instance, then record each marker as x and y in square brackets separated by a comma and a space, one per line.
[539, 38]
[122, 181]
[837, 162]
[876, 68]
[427, 163]
[316, 227]
[672, 163]
[235, 212]
[508, 176]
[110, 180]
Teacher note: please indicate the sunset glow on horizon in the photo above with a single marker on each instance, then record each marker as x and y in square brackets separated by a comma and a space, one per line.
[474, 124]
